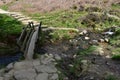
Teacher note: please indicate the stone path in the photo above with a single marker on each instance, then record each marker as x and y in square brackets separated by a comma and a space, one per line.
[39, 69]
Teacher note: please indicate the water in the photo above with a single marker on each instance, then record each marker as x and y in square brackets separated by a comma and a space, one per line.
[5, 60]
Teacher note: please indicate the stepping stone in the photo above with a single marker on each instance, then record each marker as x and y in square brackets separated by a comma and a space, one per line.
[42, 76]
[46, 68]
[25, 74]
[23, 65]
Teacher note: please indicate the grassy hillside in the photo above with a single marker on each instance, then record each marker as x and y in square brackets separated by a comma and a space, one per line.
[10, 28]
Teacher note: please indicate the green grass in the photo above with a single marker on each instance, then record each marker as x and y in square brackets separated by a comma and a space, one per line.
[62, 35]
[60, 18]
[116, 56]
[111, 77]
[9, 26]
[115, 6]
[4, 7]
[87, 51]
[115, 40]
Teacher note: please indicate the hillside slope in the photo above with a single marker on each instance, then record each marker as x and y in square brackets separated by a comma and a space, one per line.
[51, 5]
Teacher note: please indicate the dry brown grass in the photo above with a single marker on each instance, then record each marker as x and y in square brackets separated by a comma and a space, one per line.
[51, 5]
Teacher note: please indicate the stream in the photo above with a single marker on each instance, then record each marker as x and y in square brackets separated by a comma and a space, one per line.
[5, 60]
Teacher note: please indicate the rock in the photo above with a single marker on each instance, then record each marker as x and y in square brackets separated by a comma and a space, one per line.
[91, 78]
[100, 50]
[57, 57]
[36, 62]
[54, 77]
[23, 65]
[70, 65]
[81, 33]
[8, 77]
[9, 67]
[25, 74]
[42, 76]
[1, 78]
[2, 71]
[87, 38]
[94, 42]
[84, 65]
[84, 31]
[74, 56]
[47, 60]
[108, 56]
[101, 40]
[45, 68]
[106, 40]
[109, 33]
[11, 73]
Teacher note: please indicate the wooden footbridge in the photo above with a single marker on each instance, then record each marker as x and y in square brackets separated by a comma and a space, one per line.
[28, 39]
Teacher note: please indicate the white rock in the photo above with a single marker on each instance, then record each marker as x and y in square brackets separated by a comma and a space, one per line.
[27, 74]
[106, 40]
[101, 40]
[81, 33]
[70, 65]
[84, 31]
[87, 38]
[109, 33]
[42, 76]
